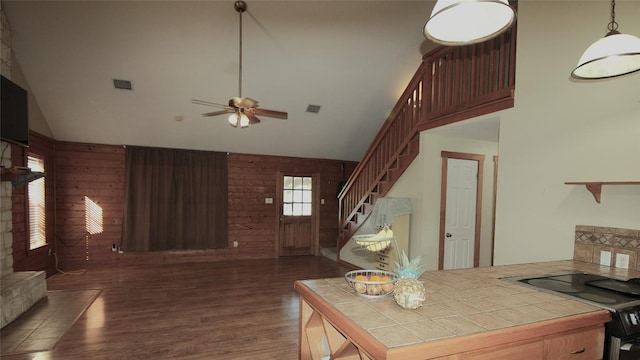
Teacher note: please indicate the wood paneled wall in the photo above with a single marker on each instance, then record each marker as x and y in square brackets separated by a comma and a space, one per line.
[98, 171]
[23, 258]
[252, 178]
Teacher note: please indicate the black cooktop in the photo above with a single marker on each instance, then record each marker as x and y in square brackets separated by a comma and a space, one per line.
[595, 289]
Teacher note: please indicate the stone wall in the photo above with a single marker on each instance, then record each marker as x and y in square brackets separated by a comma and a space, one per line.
[6, 238]
[590, 240]
[6, 220]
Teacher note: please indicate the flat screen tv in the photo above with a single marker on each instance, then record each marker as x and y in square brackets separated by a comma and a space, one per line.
[14, 117]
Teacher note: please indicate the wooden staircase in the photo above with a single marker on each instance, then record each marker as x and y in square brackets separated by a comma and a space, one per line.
[380, 188]
[392, 151]
[452, 84]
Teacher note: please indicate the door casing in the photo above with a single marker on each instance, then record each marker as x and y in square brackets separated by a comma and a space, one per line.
[315, 210]
[443, 203]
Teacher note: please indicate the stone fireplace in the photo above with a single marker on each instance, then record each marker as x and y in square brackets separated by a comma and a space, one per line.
[18, 290]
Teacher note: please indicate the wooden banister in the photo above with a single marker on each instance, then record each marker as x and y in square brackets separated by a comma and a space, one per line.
[451, 84]
[399, 128]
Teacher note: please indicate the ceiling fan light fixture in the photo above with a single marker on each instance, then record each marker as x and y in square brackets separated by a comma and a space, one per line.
[244, 121]
[464, 22]
[614, 55]
[239, 118]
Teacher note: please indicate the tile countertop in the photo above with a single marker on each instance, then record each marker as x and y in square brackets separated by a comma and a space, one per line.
[461, 302]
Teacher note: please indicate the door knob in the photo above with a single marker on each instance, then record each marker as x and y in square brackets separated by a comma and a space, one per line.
[448, 235]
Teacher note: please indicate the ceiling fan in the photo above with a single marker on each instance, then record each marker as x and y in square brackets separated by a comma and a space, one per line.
[243, 111]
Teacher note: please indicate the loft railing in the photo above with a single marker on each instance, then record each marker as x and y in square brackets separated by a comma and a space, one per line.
[451, 84]
[469, 81]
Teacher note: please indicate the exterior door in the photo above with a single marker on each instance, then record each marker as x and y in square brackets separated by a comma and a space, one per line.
[297, 227]
[459, 235]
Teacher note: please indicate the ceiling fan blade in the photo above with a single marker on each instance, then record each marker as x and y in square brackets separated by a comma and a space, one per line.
[221, 112]
[252, 118]
[207, 103]
[271, 113]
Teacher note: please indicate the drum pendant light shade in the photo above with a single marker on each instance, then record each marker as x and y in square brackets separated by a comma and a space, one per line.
[463, 22]
[614, 55]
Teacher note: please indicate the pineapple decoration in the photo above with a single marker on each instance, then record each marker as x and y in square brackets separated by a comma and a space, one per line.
[409, 291]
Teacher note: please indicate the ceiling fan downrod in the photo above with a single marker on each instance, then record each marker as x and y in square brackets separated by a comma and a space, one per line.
[240, 7]
[244, 111]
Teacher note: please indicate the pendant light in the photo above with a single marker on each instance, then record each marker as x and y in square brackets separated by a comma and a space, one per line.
[614, 55]
[464, 22]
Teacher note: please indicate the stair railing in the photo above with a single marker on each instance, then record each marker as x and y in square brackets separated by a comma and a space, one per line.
[451, 84]
[399, 128]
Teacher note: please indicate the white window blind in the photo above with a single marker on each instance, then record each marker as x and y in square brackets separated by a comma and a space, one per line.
[37, 211]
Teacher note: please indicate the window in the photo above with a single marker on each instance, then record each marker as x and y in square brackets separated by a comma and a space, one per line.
[37, 213]
[297, 196]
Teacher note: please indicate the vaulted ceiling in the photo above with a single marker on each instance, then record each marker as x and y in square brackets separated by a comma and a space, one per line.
[353, 58]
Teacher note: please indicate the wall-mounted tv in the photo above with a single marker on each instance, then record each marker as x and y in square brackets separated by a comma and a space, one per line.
[14, 117]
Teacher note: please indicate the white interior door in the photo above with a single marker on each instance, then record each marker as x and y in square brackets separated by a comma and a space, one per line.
[460, 220]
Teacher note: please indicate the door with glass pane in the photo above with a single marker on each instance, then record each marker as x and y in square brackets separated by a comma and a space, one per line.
[297, 213]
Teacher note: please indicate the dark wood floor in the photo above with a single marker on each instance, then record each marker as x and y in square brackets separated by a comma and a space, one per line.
[221, 310]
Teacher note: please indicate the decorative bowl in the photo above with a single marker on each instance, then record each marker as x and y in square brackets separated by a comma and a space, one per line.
[371, 284]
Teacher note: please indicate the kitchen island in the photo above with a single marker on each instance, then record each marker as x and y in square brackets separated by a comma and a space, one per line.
[468, 314]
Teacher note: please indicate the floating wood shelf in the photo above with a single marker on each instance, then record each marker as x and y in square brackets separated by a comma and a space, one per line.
[595, 187]
[19, 176]
[15, 170]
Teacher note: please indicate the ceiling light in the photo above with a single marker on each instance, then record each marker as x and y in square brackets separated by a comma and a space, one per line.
[233, 119]
[614, 55]
[463, 22]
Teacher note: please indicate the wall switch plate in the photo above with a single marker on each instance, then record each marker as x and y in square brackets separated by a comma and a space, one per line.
[605, 258]
[622, 261]
[268, 200]
[235, 244]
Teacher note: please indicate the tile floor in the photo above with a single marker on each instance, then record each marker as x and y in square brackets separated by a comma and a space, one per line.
[41, 327]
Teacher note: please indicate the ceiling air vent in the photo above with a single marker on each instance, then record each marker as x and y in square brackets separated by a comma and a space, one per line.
[122, 84]
[313, 108]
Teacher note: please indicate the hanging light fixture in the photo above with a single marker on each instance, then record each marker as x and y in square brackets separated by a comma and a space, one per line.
[464, 22]
[242, 110]
[614, 55]
[239, 117]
